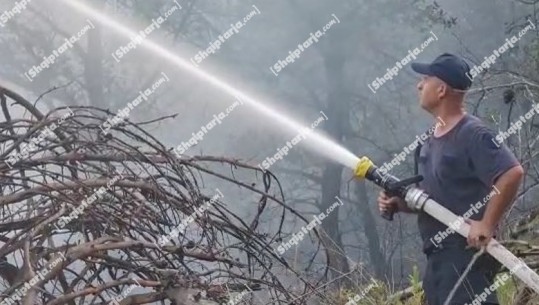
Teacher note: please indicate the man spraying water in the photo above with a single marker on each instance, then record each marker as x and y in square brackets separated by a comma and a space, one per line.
[461, 165]
[362, 167]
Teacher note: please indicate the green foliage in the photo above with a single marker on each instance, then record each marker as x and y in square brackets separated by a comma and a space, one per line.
[506, 292]
[417, 290]
[377, 293]
[373, 292]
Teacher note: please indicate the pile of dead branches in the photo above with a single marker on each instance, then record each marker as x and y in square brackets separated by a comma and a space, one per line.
[87, 216]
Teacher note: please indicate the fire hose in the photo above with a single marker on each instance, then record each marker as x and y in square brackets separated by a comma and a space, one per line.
[418, 200]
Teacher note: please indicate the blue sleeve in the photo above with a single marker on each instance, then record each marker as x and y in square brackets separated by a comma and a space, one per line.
[489, 158]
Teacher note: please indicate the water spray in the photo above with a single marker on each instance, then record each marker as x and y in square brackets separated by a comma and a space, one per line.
[314, 141]
[418, 200]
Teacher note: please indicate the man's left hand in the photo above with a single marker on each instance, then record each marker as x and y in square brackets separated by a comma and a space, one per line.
[480, 233]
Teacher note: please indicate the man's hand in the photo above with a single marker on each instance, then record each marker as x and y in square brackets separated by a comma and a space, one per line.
[394, 204]
[480, 233]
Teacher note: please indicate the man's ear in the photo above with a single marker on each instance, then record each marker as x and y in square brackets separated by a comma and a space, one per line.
[442, 90]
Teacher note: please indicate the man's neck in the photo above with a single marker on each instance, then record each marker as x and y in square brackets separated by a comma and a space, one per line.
[446, 120]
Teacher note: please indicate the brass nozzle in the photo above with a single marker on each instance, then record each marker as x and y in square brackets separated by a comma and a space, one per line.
[362, 167]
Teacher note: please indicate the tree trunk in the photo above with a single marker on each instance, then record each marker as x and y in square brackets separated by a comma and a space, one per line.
[93, 68]
[338, 117]
[371, 231]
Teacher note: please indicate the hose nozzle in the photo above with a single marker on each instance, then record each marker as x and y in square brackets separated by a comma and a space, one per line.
[363, 167]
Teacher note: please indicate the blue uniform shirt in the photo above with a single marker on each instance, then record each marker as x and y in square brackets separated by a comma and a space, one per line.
[459, 170]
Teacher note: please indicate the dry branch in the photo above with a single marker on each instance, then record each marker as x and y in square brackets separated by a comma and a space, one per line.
[114, 241]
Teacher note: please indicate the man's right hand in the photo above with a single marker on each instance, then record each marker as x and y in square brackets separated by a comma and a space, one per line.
[395, 204]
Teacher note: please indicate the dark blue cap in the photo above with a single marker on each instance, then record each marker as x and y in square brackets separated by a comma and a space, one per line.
[450, 68]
